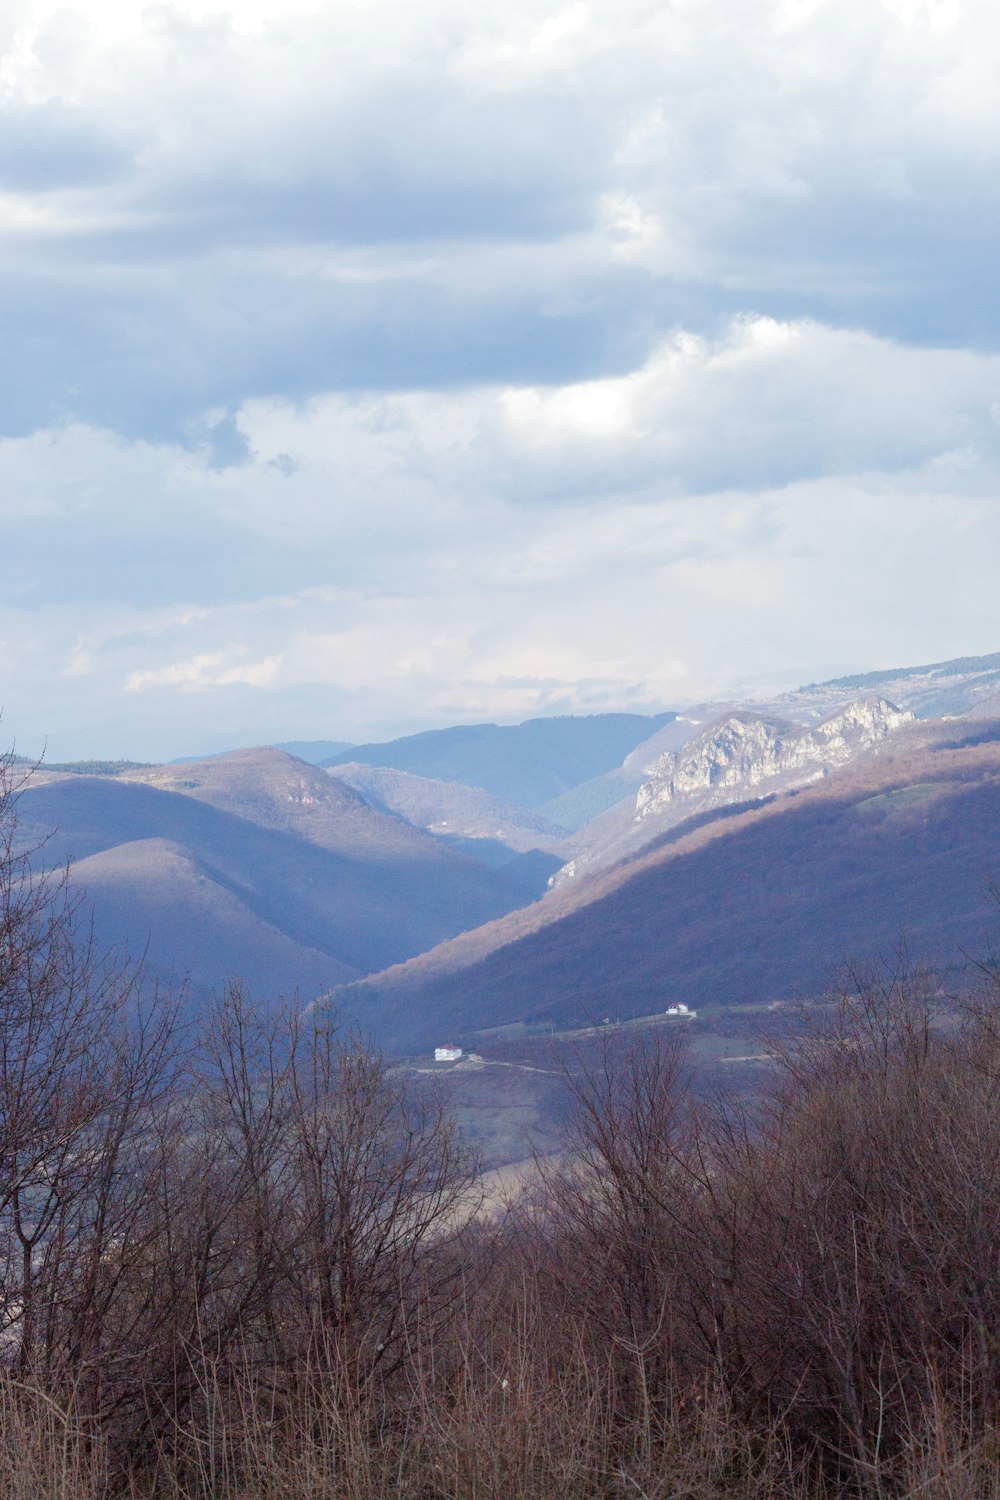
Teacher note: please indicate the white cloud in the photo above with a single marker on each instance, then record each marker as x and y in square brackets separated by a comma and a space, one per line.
[207, 670]
[782, 500]
[373, 363]
[231, 202]
[764, 402]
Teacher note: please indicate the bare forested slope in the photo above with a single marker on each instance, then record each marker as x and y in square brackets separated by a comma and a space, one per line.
[754, 904]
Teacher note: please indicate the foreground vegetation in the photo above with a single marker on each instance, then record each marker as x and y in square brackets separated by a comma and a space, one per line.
[248, 1263]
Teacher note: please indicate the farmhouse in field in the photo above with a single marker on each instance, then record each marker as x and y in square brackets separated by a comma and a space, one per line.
[447, 1054]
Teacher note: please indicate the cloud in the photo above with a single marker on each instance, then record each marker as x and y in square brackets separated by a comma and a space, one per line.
[763, 403]
[370, 365]
[779, 502]
[52, 145]
[357, 490]
[207, 670]
[211, 206]
[766, 403]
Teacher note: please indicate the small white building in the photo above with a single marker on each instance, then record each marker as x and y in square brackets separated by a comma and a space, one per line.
[679, 1010]
[447, 1054]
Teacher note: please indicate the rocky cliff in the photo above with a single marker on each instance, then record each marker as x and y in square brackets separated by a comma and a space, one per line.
[734, 759]
[745, 753]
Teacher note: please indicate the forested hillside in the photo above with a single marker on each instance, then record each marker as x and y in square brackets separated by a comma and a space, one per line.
[254, 863]
[757, 903]
[250, 1260]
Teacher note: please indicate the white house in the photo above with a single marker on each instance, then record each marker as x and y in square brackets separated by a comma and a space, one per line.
[679, 1010]
[447, 1054]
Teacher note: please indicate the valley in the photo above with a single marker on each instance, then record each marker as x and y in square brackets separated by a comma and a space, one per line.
[729, 857]
[477, 1075]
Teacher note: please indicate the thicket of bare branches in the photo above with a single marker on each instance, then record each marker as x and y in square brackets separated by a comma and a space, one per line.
[245, 1260]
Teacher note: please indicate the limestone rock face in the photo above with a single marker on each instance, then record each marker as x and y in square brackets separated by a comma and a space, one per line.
[735, 758]
[742, 754]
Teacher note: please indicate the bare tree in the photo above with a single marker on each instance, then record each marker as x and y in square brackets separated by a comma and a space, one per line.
[383, 1186]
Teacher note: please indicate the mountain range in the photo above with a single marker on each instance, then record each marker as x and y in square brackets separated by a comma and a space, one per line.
[757, 902]
[527, 764]
[738, 755]
[540, 875]
[254, 863]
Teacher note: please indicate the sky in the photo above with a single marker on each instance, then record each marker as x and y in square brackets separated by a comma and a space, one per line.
[375, 365]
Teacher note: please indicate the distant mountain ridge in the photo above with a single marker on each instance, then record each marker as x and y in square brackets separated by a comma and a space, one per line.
[523, 844]
[259, 863]
[314, 752]
[965, 685]
[526, 764]
[747, 751]
[738, 905]
[733, 759]
[449, 808]
[270, 787]
[977, 668]
[528, 849]
[255, 864]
